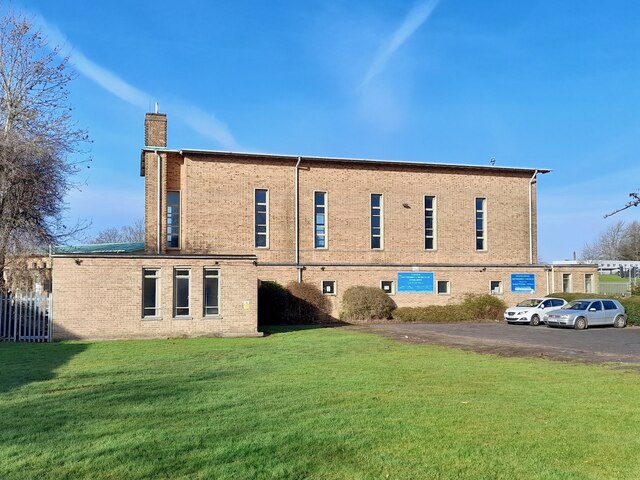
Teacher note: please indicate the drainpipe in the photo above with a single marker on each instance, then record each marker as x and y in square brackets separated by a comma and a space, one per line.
[531, 216]
[553, 279]
[546, 271]
[297, 219]
[159, 232]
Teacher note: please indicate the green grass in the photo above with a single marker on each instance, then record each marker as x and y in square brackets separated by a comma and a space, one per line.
[613, 279]
[319, 403]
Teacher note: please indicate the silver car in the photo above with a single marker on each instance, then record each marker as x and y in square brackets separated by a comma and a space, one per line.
[579, 314]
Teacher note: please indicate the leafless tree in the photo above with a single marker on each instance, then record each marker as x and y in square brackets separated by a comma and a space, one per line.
[620, 241]
[634, 202]
[127, 233]
[40, 145]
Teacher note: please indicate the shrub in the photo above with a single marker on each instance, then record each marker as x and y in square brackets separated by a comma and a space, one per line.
[632, 307]
[569, 297]
[484, 307]
[473, 307]
[273, 301]
[433, 314]
[366, 303]
[307, 304]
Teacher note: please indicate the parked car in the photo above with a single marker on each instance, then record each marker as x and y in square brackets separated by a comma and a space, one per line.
[579, 314]
[531, 311]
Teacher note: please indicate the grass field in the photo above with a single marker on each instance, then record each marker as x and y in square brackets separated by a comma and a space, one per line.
[317, 403]
[613, 279]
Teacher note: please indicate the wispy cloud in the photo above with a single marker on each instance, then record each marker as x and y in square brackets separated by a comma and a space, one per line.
[203, 123]
[415, 18]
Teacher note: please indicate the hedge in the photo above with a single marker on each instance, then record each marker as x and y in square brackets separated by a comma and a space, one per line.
[473, 307]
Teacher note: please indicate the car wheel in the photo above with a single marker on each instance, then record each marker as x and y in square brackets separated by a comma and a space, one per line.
[535, 320]
[580, 323]
[620, 322]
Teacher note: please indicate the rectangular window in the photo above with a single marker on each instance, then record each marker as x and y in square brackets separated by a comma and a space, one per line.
[481, 223]
[320, 219]
[443, 287]
[429, 223]
[588, 283]
[329, 287]
[211, 294]
[173, 219]
[496, 287]
[262, 218]
[566, 282]
[150, 292]
[181, 292]
[387, 286]
[376, 221]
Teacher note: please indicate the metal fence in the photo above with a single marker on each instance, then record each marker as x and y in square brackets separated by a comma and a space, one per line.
[618, 288]
[25, 317]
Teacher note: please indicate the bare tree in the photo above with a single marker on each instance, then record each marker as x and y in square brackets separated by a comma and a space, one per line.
[39, 143]
[607, 245]
[127, 233]
[620, 241]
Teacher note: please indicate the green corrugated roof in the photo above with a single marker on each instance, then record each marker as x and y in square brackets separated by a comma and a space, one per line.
[131, 247]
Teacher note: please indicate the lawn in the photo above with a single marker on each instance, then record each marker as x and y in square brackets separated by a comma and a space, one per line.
[316, 403]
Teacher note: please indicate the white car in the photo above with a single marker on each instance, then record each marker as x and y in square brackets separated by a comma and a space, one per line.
[532, 311]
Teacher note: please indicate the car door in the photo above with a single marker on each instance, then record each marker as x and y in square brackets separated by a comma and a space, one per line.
[596, 314]
[610, 311]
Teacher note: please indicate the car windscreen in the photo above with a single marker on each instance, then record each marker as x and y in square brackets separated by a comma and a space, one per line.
[529, 303]
[578, 305]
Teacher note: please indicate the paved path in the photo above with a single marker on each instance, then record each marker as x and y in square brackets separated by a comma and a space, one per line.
[605, 344]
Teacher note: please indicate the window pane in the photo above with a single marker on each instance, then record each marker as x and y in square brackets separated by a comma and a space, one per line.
[375, 242]
[211, 304]
[375, 222]
[320, 243]
[479, 203]
[428, 243]
[375, 200]
[319, 197]
[261, 241]
[261, 196]
[479, 244]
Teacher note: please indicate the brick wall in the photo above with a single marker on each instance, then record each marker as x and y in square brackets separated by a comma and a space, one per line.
[462, 280]
[218, 209]
[101, 297]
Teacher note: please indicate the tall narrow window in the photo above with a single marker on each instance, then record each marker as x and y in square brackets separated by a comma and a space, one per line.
[181, 292]
[429, 223]
[566, 282]
[320, 219]
[211, 291]
[150, 292]
[262, 218]
[173, 219]
[376, 221]
[481, 223]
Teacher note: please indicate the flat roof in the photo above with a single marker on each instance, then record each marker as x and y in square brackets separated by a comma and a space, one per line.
[251, 155]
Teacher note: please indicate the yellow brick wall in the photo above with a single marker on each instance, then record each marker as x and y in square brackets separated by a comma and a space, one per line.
[102, 298]
[218, 210]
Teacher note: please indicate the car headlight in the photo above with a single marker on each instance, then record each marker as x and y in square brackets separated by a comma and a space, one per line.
[524, 312]
[565, 317]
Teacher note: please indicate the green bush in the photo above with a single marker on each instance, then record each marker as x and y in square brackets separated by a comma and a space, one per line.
[569, 297]
[273, 301]
[632, 307]
[473, 307]
[484, 307]
[307, 304]
[366, 303]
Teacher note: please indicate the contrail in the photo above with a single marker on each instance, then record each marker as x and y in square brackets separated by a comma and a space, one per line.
[418, 15]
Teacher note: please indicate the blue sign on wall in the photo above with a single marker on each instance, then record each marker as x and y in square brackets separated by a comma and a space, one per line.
[523, 283]
[415, 282]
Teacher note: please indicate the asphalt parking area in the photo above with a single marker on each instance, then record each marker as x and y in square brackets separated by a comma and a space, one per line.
[598, 345]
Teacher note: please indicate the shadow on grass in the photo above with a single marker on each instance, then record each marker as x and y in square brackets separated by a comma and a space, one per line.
[275, 329]
[24, 363]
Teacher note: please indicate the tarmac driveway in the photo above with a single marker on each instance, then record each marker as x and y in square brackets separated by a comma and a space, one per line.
[604, 344]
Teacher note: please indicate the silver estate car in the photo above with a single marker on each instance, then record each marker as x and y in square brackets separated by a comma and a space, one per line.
[579, 314]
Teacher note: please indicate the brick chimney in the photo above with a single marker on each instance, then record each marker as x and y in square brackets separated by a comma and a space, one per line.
[155, 129]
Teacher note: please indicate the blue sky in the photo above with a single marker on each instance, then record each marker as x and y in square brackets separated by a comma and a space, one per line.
[542, 84]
